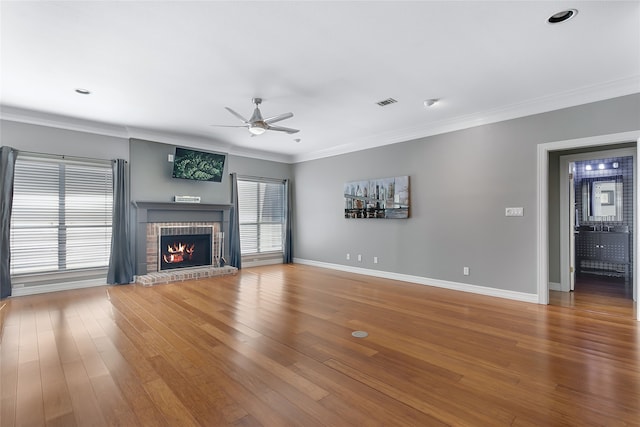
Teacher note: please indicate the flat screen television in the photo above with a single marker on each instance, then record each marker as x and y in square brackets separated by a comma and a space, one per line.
[198, 165]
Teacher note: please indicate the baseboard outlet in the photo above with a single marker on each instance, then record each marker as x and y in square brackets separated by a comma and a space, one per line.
[455, 286]
[21, 290]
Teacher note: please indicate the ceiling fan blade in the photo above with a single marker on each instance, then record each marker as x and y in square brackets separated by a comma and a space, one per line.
[229, 126]
[278, 118]
[282, 129]
[237, 115]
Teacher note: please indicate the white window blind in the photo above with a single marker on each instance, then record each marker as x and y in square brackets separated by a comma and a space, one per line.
[61, 216]
[261, 207]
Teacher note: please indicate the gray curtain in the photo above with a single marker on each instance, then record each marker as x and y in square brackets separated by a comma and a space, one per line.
[120, 261]
[7, 164]
[235, 256]
[288, 238]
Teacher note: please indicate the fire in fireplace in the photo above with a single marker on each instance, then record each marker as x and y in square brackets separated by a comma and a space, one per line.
[184, 250]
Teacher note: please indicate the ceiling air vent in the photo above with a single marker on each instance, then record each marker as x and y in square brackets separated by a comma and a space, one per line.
[386, 102]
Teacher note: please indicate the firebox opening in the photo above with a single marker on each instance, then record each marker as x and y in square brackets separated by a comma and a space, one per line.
[185, 250]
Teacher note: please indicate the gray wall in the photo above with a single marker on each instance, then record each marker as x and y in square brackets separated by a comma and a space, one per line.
[49, 140]
[151, 179]
[150, 170]
[460, 184]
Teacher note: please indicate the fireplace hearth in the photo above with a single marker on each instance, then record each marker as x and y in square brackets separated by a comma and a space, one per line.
[184, 251]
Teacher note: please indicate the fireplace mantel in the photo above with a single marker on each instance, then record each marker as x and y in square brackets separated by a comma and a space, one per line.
[168, 212]
[141, 205]
[174, 205]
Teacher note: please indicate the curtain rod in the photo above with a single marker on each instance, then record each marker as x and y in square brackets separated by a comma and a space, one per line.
[260, 178]
[65, 157]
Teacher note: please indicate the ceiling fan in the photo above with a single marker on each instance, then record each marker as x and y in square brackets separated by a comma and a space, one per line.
[258, 125]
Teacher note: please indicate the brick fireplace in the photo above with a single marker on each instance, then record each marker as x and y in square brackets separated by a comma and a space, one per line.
[183, 244]
[155, 219]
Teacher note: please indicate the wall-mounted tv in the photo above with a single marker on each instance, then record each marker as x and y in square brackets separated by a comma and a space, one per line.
[198, 165]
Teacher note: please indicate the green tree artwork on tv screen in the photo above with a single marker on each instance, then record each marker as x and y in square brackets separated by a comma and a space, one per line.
[198, 165]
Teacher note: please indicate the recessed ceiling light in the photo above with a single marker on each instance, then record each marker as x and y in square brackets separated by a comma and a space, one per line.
[563, 16]
[430, 102]
[83, 91]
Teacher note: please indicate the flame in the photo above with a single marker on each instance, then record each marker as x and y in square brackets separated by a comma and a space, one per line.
[178, 252]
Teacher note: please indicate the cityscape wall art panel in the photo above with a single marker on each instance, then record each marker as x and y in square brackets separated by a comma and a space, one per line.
[377, 198]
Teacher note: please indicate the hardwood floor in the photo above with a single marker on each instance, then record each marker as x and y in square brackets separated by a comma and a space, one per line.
[272, 346]
[602, 294]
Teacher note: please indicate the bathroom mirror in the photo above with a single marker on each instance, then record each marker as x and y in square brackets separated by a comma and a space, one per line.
[602, 199]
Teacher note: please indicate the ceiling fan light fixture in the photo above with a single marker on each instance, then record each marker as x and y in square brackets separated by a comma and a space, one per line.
[257, 128]
[257, 125]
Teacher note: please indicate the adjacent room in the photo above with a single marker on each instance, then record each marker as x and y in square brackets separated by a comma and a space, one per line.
[320, 213]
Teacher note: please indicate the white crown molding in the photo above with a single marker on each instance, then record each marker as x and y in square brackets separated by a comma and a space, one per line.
[455, 286]
[262, 155]
[57, 121]
[21, 115]
[204, 143]
[572, 98]
[580, 96]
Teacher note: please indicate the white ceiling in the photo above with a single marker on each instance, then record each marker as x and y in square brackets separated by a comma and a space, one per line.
[166, 70]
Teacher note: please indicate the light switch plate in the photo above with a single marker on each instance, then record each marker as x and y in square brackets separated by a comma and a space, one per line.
[513, 211]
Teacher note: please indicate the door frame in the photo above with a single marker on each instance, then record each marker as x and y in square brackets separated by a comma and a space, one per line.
[542, 203]
[565, 226]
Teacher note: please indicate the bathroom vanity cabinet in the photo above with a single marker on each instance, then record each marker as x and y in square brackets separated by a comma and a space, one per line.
[606, 247]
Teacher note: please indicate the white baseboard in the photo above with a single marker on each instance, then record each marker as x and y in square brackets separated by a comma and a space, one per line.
[554, 286]
[19, 291]
[456, 286]
[261, 262]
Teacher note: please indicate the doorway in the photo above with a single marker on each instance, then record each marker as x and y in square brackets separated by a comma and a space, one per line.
[598, 195]
[546, 219]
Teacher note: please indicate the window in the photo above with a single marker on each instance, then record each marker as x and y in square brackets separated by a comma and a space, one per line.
[261, 206]
[61, 216]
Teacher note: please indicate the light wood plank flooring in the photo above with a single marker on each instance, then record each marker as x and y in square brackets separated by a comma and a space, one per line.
[272, 346]
[601, 294]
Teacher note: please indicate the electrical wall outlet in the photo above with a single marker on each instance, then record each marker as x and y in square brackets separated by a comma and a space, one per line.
[465, 271]
[348, 257]
[375, 259]
[170, 157]
[359, 258]
[513, 211]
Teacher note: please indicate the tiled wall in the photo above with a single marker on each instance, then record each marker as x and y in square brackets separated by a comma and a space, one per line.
[626, 171]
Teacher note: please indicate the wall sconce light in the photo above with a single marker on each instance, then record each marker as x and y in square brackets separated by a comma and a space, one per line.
[602, 166]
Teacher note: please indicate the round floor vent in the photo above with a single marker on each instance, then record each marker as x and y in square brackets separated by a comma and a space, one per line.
[359, 334]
